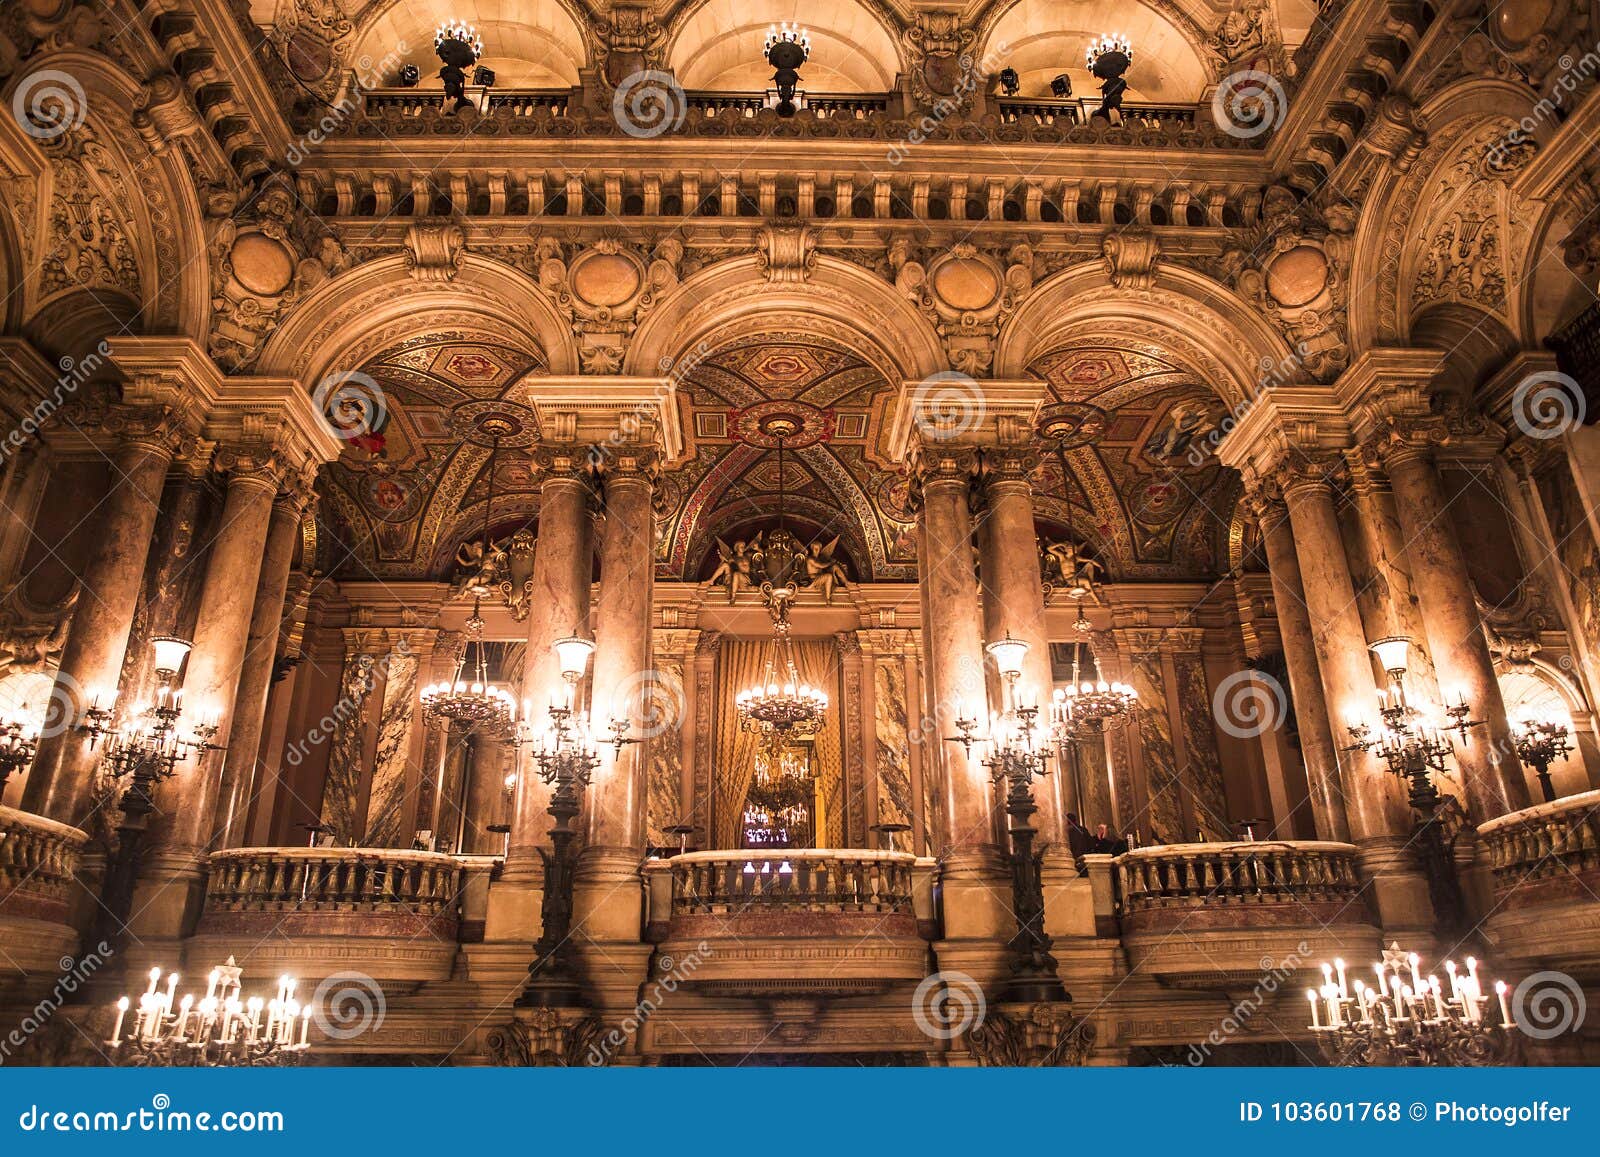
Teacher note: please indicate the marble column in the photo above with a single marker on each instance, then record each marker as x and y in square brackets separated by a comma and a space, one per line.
[972, 872]
[1013, 604]
[484, 802]
[1491, 775]
[622, 676]
[390, 822]
[239, 769]
[1305, 678]
[62, 779]
[222, 626]
[1379, 819]
[563, 575]
[341, 789]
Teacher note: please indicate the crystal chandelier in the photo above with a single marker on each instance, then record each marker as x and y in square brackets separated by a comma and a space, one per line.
[1539, 743]
[1083, 709]
[474, 701]
[780, 707]
[220, 1029]
[1407, 1019]
[19, 741]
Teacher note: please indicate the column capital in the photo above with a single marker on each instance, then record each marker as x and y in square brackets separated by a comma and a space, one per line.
[605, 412]
[1307, 473]
[952, 409]
[273, 418]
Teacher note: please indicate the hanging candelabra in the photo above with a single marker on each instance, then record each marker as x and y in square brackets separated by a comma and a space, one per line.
[1083, 711]
[1013, 763]
[470, 699]
[1415, 749]
[141, 751]
[222, 1028]
[19, 742]
[1539, 743]
[565, 756]
[1408, 1019]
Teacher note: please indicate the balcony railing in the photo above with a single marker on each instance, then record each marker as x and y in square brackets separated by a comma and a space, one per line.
[333, 880]
[706, 883]
[38, 858]
[1054, 110]
[1246, 873]
[1556, 841]
[410, 102]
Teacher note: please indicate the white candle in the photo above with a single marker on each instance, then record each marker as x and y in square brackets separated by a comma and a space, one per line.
[1311, 995]
[305, 1026]
[211, 988]
[1416, 973]
[1343, 988]
[1505, 1012]
[122, 1011]
[172, 985]
[155, 978]
[1332, 995]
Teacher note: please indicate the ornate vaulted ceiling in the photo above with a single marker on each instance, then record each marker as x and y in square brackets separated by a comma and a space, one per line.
[1143, 490]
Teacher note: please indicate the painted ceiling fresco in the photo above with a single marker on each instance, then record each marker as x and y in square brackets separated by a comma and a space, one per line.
[1141, 490]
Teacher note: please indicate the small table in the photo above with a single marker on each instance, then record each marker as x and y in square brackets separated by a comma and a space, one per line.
[889, 831]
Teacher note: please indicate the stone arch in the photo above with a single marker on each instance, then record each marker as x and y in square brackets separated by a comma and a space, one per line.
[1399, 205]
[717, 44]
[149, 193]
[344, 320]
[545, 44]
[890, 332]
[1205, 326]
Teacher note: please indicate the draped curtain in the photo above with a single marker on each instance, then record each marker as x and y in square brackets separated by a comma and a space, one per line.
[740, 663]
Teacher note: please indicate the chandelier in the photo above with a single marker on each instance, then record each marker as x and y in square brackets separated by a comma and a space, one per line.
[475, 701]
[780, 707]
[457, 42]
[1083, 709]
[1407, 1019]
[19, 741]
[777, 812]
[788, 34]
[1539, 743]
[148, 745]
[1412, 745]
[221, 1028]
[1108, 53]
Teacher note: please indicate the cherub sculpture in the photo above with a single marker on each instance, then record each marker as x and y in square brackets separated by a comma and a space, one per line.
[1066, 569]
[823, 570]
[737, 565]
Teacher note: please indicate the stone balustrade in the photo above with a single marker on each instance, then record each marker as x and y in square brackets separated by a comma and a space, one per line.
[1200, 914]
[39, 860]
[1545, 863]
[812, 920]
[391, 913]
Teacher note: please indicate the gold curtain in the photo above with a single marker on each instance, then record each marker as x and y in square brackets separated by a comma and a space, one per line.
[740, 662]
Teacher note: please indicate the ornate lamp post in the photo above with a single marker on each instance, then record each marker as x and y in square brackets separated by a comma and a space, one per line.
[788, 47]
[19, 741]
[1407, 1019]
[1540, 742]
[1014, 763]
[145, 750]
[1414, 749]
[220, 1029]
[566, 758]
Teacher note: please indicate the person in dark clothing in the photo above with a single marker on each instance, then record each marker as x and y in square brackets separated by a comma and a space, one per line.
[1106, 845]
[1080, 841]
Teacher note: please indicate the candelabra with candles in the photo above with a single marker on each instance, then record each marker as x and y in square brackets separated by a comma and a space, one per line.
[1414, 750]
[1406, 1019]
[1109, 58]
[222, 1028]
[1014, 763]
[787, 47]
[458, 46]
[1083, 710]
[1540, 742]
[19, 742]
[565, 755]
[474, 701]
[143, 750]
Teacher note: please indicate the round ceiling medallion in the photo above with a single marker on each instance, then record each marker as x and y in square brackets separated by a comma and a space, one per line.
[605, 279]
[796, 423]
[1297, 277]
[490, 420]
[261, 264]
[1072, 424]
[964, 283]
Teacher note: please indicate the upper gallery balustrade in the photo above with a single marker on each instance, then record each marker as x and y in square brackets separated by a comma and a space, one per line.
[39, 860]
[1546, 865]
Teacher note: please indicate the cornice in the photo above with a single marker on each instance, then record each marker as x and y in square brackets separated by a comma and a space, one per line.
[605, 410]
[963, 411]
